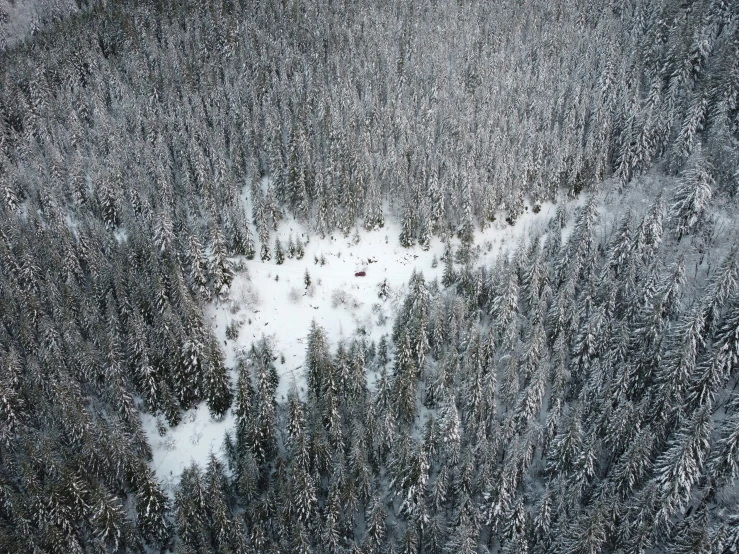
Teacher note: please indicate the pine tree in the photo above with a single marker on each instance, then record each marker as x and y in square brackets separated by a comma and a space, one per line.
[464, 537]
[694, 535]
[384, 291]
[109, 205]
[318, 359]
[451, 431]
[109, 522]
[151, 509]
[163, 233]
[279, 253]
[304, 500]
[590, 532]
[242, 240]
[634, 464]
[373, 216]
[374, 538]
[189, 374]
[220, 266]
[299, 249]
[542, 520]
[505, 303]
[691, 197]
[198, 267]
[424, 231]
[516, 527]
[467, 227]
[243, 405]
[330, 535]
[679, 363]
[265, 254]
[724, 458]
[567, 446]
[449, 277]
[217, 384]
[190, 510]
[678, 469]
[274, 214]
[436, 202]
[260, 215]
[407, 238]
[649, 234]
[11, 407]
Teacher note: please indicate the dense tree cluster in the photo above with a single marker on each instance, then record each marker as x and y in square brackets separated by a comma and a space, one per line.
[169, 109]
[573, 397]
[92, 328]
[577, 396]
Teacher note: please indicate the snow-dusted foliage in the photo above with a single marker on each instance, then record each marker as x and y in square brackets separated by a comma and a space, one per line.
[574, 391]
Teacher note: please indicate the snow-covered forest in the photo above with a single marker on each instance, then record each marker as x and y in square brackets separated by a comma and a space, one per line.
[335, 276]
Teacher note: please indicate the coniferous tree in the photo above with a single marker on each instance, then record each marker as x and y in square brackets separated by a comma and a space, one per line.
[242, 239]
[407, 238]
[678, 468]
[110, 190]
[198, 267]
[374, 537]
[151, 509]
[220, 266]
[109, 522]
[382, 351]
[216, 384]
[299, 249]
[689, 204]
[318, 359]
[449, 277]
[279, 253]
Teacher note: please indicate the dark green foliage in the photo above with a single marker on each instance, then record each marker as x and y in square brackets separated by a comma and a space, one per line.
[151, 509]
[318, 360]
[216, 384]
[71, 439]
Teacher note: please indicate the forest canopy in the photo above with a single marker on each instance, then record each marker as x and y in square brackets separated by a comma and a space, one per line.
[578, 395]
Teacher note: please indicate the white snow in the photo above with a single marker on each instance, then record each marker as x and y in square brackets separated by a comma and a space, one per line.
[263, 306]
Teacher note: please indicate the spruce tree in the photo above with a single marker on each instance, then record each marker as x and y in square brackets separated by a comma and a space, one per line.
[217, 384]
[220, 266]
[449, 277]
[688, 211]
[151, 509]
[299, 249]
[407, 238]
[279, 253]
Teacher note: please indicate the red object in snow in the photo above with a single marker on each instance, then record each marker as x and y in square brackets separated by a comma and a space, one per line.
[360, 274]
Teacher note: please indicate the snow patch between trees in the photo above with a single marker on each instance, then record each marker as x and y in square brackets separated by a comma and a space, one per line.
[272, 301]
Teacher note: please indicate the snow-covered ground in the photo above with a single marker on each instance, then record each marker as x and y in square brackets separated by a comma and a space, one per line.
[271, 300]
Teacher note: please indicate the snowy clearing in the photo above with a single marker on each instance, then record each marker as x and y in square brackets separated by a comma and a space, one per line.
[271, 300]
